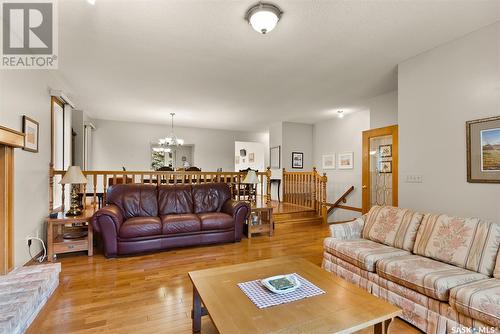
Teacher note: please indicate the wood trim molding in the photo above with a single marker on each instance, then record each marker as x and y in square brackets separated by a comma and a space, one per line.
[11, 137]
[6, 209]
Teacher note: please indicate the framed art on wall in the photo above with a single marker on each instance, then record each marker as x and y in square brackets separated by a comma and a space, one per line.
[483, 150]
[297, 160]
[30, 129]
[275, 157]
[346, 160]
[251, 157]
[329, 161]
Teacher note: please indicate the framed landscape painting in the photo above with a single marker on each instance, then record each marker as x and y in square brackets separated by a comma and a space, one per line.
[329, 161]
[30, 129]
[346, 160]
[483, 150]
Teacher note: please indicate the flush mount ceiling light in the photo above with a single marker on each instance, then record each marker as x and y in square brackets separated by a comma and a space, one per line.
[340, 113]
[263, 17]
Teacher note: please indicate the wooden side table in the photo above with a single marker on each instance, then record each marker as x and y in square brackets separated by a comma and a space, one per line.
[56, 244]
[265, 220]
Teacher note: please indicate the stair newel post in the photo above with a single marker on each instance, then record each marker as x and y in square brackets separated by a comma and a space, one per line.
[268, 186]
[324, 210]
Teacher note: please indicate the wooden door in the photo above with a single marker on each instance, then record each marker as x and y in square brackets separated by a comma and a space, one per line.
[380, 167]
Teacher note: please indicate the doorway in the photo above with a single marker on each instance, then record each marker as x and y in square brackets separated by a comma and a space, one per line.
[380, 167]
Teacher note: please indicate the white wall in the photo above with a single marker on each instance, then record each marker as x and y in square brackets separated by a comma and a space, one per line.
[297, 137]
[259, 151]
[439, 91]
[117, 144]
[26, 92]
[339, 136]
[383, 110]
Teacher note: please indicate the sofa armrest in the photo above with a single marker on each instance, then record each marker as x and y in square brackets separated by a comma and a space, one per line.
[350, 230]
[240, 211]
[112, 212]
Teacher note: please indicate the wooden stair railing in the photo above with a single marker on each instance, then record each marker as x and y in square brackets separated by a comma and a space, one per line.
[337, 205]
[99, 181]
[342, 199]
[307, 189]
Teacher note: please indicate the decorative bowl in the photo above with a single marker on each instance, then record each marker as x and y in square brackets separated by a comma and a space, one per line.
[281, 284]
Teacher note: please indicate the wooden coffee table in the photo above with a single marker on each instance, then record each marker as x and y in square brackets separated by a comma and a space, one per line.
[344, 308]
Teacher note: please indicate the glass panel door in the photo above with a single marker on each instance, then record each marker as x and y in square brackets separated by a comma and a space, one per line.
[380, 167]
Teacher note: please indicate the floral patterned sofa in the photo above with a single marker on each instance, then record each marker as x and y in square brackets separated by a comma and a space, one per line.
[442, 271]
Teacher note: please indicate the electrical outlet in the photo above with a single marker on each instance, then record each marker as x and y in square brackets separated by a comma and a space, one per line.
[414, 178]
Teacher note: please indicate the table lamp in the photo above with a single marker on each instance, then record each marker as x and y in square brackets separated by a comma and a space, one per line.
[74, 176]
[251, 178]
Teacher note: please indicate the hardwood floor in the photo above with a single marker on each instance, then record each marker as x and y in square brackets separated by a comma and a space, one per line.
[152, 293]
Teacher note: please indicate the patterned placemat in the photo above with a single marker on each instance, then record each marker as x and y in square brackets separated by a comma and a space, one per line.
[263, 298]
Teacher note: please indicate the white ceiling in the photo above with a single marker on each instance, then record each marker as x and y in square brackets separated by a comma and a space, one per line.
[139, 60]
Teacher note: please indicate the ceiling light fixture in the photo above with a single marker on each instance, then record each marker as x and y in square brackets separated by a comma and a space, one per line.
[340, 113]
[263, 17]
[92, 2]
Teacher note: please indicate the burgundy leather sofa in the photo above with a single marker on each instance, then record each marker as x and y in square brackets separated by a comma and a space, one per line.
[142, 218]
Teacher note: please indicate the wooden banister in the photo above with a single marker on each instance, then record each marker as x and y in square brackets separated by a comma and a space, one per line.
[98, 181]
[342, 199]
[306, 189]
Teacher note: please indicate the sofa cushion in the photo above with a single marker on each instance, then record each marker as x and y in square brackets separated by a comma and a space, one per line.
[216, 221]
[140, 227]
[468, 243]
[349, 230]
[392, 226]
[210, 197]
[479, 300]
[361, 252]
[134, 200]
[180, 223]
[175, 199]
[432, 278]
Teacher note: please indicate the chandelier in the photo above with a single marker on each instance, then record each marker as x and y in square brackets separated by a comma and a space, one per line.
[166, 144]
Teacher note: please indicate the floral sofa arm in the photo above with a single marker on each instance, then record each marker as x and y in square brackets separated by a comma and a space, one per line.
[350, 230]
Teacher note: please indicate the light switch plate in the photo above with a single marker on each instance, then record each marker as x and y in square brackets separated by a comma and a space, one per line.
[414, 179]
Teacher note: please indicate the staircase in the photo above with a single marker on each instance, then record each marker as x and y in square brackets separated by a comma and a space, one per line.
[306, 215]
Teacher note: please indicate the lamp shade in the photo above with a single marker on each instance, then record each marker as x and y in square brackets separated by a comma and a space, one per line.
[73, 175]
[251, 178]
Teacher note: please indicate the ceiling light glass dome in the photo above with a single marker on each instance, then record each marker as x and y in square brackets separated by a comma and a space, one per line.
[263, 17]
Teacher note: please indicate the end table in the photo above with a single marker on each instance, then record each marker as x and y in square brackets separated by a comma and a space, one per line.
[265, 222]
[56, 244]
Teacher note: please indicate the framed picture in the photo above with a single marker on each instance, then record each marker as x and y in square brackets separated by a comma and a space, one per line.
[297, 160]
[329, 161]
[483, 150]
[346, 160]
[385, 151]
[30, 129]
[385, 167]
[275, 157]
[251, 157]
